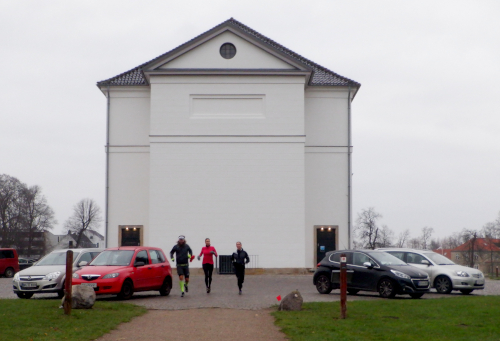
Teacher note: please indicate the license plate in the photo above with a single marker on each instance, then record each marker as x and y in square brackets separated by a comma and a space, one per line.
[480, 282]
[92, 285]
[423, 283]
[29, 285]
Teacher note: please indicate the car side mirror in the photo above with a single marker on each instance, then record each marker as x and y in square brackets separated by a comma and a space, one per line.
[426, 262]
[82, 263]
[138, 264]
[368, 265]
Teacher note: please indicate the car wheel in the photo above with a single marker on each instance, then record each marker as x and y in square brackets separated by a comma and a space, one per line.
[386, 288]
[9, 273]
[416, 295]
[466, 291]
[323, 284]
[352, 291]
[443, 285]
[166, 287]
[26, 295]
[127, 290]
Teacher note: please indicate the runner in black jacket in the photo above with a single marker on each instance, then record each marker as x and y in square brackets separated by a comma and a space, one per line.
[239, 259]
[184, 255]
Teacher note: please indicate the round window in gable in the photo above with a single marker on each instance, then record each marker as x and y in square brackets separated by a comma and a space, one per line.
[227, 50]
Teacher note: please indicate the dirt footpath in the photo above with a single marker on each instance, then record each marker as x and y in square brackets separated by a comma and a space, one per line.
[199, 324]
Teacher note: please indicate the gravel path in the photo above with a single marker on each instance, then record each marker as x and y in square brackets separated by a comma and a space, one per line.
[199, 324]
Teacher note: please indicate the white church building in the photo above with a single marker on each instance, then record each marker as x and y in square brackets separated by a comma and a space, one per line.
[233, 137]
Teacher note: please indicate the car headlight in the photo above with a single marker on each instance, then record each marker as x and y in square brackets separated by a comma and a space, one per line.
[400, 274]
[75, 275]
[52, 275]
[113, 275]
[16, 277]
[462, 274]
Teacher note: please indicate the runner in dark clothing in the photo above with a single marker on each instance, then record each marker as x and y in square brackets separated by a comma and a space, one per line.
[183, 255]
[239, 259]
[208, 253]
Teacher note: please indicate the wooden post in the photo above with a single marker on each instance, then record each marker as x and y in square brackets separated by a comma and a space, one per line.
[68, 283]
[343, 285]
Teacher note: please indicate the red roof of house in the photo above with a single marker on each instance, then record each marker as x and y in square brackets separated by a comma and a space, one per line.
[481, 244]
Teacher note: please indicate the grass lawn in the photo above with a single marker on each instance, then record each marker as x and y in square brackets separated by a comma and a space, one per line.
[461, 318]
[43, 320]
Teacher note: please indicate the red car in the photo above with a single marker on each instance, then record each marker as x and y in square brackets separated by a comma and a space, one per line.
[125, 270]
[9, 262]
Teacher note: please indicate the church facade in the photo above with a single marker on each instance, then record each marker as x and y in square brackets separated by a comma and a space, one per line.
[233, 137]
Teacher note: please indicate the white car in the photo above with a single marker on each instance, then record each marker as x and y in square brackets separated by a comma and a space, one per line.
[444, 274]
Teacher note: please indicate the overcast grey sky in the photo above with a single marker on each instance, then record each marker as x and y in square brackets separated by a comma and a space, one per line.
[425, 122]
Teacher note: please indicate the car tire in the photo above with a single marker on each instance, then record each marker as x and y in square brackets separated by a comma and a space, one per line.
[466, 291]
[416, 296]
[25, 295]
[352, 291]
[127, 290]
[323, 284]
[9, 273]
[166, 286]
[443, 285]
[386, 288]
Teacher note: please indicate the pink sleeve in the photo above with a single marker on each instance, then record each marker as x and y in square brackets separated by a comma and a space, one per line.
[215, 252]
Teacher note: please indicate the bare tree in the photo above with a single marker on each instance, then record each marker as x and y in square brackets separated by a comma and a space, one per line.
[469, 238]
[10, 215]
[386, 236]
[414, 243]
[367, 229]
[86, 217]
[452, 241]
[426, 237]
[403, 238]
[37, 216]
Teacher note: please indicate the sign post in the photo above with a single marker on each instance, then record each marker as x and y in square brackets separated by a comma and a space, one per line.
[343, 285]
[68, 283]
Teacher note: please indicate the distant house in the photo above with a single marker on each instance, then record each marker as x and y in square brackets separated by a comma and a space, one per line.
[444, 252]
[482, 254]
[90, 239]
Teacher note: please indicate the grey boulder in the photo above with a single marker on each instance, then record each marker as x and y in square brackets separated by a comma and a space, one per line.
[82, 297]
[292, 301]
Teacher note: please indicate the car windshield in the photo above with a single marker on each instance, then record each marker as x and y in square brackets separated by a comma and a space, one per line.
[385, 258]
[56, 258]
[439, 259]
[113, 257]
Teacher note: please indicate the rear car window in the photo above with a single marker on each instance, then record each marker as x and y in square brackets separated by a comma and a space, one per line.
[86, 257]
[414, 258]
[335, 257]
[400, 255]
[6, 254]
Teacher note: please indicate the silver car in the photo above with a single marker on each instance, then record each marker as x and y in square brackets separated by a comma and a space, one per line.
[48, 274]
[444, 274]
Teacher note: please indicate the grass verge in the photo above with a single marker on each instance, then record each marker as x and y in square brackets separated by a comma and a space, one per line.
[43, 320]
[461, 318]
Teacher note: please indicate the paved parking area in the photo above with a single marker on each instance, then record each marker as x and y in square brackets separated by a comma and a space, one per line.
[259, 292]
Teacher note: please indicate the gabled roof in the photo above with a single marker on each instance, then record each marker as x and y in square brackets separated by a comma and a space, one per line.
[321, 76]
[481, 244]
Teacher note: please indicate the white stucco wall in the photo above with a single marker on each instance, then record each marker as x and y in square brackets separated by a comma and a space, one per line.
[251, 192]
[326, 166]
[207, 55]
[128, 161]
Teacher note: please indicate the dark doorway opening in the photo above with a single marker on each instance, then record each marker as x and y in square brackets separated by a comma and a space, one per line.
[131, 236]
[325, 241]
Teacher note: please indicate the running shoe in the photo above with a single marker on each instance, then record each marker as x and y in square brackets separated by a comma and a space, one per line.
[186, 287]
[208, 290]
[240, 292]
[182, 295]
